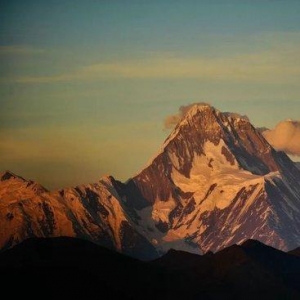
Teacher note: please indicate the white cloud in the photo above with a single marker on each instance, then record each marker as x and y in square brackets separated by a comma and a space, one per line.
[285, 137]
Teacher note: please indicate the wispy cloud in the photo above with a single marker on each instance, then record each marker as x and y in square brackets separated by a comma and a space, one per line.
[274, 62]
[261, 67]
[20, 50]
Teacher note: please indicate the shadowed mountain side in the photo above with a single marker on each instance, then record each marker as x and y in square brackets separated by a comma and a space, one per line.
[76, 269]
[295, 252]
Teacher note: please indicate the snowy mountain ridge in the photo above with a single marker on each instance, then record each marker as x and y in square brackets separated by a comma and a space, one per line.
[93, 212]
[215, 182]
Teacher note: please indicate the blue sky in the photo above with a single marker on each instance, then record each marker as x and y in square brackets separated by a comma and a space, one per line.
[85, 85]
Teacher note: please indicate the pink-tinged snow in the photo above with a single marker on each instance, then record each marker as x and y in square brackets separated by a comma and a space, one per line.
[22, 211]
[210, 200]
[213, 168]
[216, 184]
[207, 170]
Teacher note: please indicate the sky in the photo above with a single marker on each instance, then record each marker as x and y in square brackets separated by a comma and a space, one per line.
[85, 86]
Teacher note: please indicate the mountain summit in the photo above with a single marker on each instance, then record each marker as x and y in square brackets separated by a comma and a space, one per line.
[215, 182]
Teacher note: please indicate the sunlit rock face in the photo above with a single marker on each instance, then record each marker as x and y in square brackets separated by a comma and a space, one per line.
[93, 212]
[216, 181]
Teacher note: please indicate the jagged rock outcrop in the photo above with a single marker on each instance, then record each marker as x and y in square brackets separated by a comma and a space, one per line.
[93, 212]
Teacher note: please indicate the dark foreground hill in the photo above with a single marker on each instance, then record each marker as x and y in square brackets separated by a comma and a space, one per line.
[68, 268]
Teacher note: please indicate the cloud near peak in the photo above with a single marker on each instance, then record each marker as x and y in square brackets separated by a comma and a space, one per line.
[285, 137]
[172, 120]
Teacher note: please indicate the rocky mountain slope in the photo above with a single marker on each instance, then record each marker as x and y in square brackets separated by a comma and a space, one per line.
[215, 182]
[93, 212]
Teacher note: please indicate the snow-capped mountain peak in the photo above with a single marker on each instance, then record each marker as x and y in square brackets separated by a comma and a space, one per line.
[216, 181]
[213, 176]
